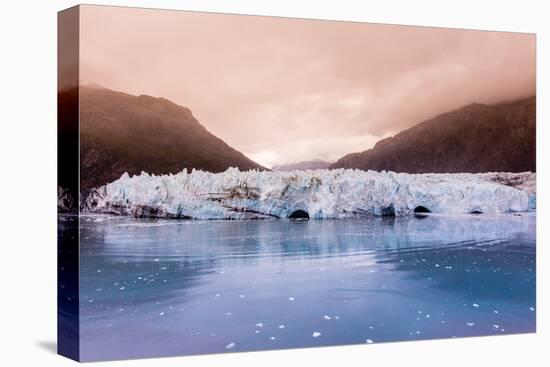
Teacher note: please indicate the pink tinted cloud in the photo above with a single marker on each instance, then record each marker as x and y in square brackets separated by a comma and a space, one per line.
[281, 89]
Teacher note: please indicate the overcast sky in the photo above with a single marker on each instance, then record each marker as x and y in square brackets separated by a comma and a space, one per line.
[283, 90]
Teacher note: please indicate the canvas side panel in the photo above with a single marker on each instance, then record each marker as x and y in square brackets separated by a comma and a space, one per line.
[68, 183]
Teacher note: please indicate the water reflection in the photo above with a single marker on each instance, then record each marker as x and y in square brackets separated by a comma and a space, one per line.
[158, 287]
[67, 285]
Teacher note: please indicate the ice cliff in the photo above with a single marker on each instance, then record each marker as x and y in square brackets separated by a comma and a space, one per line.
[318, 194]
[65, 201]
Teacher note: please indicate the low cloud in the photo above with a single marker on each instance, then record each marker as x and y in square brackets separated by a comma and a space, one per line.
[283, 90]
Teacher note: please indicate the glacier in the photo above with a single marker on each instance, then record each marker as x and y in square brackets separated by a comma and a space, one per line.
[318, 194]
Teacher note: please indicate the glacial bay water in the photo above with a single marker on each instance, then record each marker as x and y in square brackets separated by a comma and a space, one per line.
[152, 288]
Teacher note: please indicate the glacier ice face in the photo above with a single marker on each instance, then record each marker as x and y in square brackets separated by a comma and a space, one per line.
[323, 194]
[65, 201]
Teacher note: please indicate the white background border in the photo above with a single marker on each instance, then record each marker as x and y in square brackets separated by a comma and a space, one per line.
[28, 182]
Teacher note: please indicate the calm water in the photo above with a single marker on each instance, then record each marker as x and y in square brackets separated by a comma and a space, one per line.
[159, 288]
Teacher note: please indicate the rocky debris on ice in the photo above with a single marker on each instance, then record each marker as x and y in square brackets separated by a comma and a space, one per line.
[318, 194]
[522, 181]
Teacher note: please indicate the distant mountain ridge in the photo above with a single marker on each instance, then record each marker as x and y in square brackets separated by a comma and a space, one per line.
[303, 165]
[121, 133]
[475, 138]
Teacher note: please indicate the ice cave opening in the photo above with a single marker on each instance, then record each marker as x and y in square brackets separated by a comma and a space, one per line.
[299, 214]
[388, 211]
[421, 210]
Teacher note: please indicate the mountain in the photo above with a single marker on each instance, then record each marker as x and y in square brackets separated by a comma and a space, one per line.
[303, 165]
[475, 138]
[121, 133]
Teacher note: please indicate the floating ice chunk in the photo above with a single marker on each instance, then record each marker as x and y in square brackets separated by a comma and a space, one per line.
[281, 326]
[241, 295]
[475, 305]
[496, 326]
[291, 298]
[272, 337]
[369, 341]
[532, 308]
[316, 334]
[327, 317]
[260, 324]
[161, 314]
[470, 323]
[230, 346]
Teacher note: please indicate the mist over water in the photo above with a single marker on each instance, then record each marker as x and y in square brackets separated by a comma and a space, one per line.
[162, 287]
